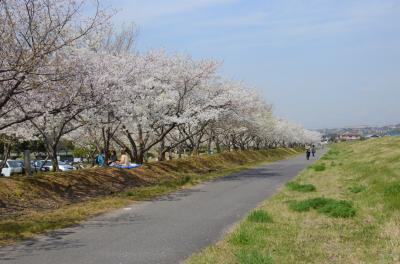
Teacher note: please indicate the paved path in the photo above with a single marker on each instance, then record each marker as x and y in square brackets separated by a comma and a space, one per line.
[166, 230]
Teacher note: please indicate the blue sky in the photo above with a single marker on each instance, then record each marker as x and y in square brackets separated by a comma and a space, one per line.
[321, 63]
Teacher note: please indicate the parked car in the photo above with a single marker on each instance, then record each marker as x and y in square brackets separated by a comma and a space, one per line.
[22, 164]
[65, 167]
[11, 167]
[48, 166]
[36, 166]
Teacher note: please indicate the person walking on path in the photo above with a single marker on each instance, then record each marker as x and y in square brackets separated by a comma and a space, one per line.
[308, 152]
[313, 150]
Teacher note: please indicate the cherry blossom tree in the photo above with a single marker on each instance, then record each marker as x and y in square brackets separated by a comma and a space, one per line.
[65, 75]
[63, 103]
[31, 31]
[161, 99]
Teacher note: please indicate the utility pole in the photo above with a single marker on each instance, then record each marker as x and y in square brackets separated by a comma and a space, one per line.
[27, 163]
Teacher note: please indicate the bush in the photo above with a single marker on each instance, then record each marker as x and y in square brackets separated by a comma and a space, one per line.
[130, 193]
[294, 186]
[184, 180]
[330, 207]
[252, 257]
[260, 216]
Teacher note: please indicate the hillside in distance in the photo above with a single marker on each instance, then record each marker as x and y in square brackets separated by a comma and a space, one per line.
[388, 130]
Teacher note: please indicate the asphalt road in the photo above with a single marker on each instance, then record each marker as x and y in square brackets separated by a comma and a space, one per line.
[166, 230]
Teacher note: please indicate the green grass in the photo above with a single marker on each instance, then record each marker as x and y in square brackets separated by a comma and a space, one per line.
[330, 207]
[319, 167]
[338, 209]
[294, 186]
[252, 257]
[392, 196]
[102, 190]
[332, 154]
[243, 237]
[306, 205]
[352, 217]
[357, 189]
[259, 216]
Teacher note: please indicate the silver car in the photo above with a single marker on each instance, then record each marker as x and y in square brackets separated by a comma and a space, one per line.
[48, 166]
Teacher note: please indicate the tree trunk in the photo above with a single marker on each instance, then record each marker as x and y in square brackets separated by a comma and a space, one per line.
[170, 156]
[141, 149]
[217, 145]
[106, 144]
[196, 149]
[209, 146]
[161, 153]
[233, 143]
[54, 159]
[180, 151]
[133, 149]
[6, 154]
[242, 146]
[140, 157]
[92, 158]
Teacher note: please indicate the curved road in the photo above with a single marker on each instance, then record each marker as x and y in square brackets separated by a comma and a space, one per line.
[166, 230]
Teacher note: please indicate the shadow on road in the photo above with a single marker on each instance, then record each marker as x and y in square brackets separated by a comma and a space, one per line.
[53, 241]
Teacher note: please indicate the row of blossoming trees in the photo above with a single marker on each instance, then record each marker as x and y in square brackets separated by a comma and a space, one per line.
[65, 74]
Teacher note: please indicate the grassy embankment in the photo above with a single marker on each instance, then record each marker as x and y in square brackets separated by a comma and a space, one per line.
[344, 209]
[33, 205]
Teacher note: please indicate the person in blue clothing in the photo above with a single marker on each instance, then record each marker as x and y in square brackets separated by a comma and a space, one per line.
[313, 150]
[101, 159]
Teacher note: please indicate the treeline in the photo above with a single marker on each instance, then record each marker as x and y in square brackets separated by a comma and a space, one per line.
[65, 74]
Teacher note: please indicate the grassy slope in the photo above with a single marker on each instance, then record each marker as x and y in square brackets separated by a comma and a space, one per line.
[30, 206]
[367, 174]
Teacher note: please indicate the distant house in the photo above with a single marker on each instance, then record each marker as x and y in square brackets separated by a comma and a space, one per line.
[350, 136]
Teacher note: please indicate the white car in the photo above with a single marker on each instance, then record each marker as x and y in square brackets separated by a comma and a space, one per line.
[65, 167]
[11, 167]
[48, 166]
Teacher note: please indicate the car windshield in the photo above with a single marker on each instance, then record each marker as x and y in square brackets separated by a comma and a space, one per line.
[48, 163]
[14, 164]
